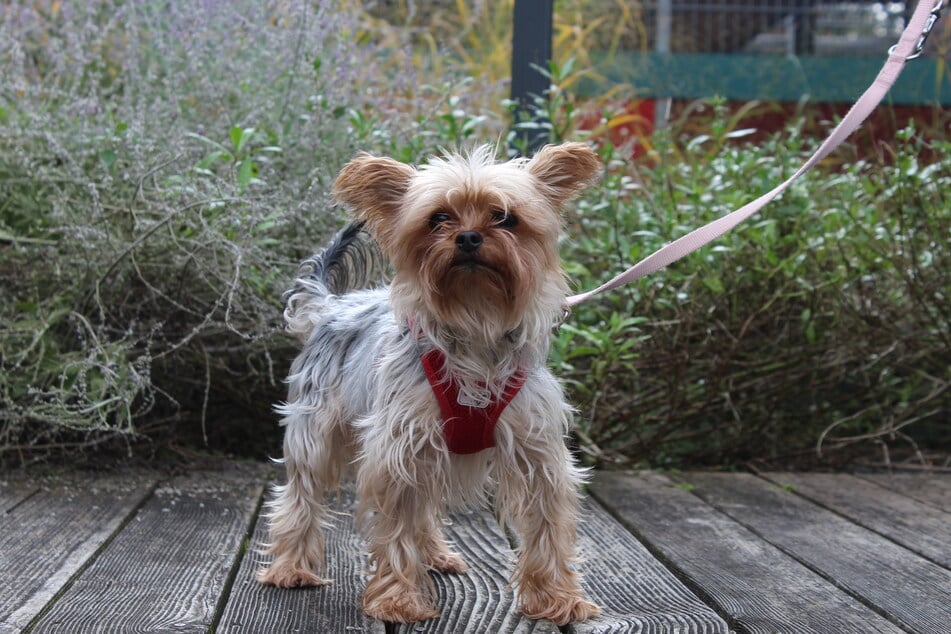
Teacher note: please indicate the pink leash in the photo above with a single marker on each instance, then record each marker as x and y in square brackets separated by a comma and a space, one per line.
[909, 46]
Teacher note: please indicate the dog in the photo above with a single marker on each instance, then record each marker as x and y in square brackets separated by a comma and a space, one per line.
[435, 387]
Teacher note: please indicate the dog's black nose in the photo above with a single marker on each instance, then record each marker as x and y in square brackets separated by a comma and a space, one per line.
[469, 241]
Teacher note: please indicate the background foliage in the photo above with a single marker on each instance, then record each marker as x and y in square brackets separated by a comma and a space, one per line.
[821, 323]
[163, 171]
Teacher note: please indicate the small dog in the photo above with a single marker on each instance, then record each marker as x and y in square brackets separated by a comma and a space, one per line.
[435, 388]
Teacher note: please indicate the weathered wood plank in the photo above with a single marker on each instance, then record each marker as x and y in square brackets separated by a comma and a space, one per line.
[635, 591]
[757, 587]
[907, 588]
[56, 525]
[254, 608]
[930, 488]
[15, 489]
[168, 568]
[479, 600]
[914, 525]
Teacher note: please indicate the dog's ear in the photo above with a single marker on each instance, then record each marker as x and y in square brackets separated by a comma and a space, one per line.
[373, 189]
[564, 170]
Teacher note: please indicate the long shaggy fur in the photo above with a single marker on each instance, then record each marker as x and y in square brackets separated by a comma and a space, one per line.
[352, 260]
[358, 393]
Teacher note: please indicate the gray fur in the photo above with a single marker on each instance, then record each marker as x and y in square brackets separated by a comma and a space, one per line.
[351, 261]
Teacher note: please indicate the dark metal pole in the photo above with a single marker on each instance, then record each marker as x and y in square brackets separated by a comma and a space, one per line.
[531, 51]
[805, 24]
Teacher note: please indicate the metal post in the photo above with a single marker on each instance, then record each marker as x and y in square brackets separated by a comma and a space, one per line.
[662, 46]
[531, 51]
[805, 36]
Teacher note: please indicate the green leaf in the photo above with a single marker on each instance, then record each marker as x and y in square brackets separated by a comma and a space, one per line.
[108, 158]
[237, 138]
[264, 225]
[204, 139]
[582, 351]
[246, 135]
[714, 284]
[213, 158]
[245, 173]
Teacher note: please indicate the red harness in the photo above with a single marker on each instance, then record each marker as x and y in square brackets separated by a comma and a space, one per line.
[467, 429]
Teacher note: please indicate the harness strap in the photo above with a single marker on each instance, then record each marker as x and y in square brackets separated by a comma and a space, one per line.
[466, 429]
[909, 46]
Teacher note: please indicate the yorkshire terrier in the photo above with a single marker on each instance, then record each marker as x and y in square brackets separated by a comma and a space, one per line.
[436, 387]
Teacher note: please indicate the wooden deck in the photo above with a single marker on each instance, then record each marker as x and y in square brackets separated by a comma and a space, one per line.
[692, 552]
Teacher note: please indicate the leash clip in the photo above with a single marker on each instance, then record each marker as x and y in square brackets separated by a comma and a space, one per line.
[925, 31]
[565, 314]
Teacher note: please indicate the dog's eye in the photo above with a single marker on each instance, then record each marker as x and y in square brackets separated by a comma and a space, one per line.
[438, 218]
[503, 219]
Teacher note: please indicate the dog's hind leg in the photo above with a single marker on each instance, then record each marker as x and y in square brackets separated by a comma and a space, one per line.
[316, 447]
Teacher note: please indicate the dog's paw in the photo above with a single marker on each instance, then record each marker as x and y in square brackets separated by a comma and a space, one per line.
[449, 563]
[560, 609]
[407, 607]
[289, 576]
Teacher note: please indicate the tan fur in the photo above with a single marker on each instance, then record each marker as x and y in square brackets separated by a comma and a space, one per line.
[490, 310]
[373, 187]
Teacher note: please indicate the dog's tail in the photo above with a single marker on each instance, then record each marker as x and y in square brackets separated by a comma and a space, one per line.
[351, 261]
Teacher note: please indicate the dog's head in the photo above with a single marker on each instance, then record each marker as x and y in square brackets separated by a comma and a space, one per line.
[471, 240]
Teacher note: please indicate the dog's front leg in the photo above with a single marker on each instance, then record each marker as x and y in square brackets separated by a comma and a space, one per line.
[398, 510]
[538, 497]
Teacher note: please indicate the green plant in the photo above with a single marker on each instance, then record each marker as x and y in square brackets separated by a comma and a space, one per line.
[242, 157]
[823, 316]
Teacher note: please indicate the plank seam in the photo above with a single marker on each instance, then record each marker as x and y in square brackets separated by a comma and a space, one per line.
[930, 503]
[92, 559]
[668, 563]
[237, 561]
[26, 498]
[832, 580]
[854, 520]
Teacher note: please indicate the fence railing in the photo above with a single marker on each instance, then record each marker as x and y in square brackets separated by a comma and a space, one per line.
[822, 51]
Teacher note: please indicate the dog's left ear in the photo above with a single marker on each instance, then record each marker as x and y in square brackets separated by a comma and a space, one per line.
[373, 189]
[564, 170]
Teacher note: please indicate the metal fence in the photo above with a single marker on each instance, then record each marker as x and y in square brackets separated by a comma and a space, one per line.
[822, 51]
[779, 27]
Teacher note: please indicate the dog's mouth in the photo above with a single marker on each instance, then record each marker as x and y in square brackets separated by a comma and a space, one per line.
[472, 264]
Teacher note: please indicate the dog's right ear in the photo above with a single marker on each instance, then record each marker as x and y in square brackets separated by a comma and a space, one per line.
[373, 189]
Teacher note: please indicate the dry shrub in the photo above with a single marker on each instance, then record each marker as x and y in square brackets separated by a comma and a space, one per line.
[162, 171]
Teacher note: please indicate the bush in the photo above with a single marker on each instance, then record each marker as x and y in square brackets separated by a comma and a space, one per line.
[163, 169]
[821, 322]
